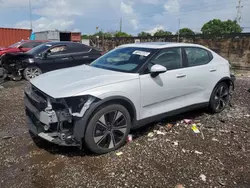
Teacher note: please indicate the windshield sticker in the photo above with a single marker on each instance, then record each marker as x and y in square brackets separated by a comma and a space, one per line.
[142, 53]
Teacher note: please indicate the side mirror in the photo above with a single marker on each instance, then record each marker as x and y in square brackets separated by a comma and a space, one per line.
[45, 55]
[20, 47]
[157, 69]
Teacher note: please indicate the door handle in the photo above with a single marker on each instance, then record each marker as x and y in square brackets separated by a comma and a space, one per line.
[180, 75]
[66, 58]
[85, 57]
[213, 70]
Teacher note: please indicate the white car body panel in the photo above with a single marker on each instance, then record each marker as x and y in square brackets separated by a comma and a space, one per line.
[150, 96]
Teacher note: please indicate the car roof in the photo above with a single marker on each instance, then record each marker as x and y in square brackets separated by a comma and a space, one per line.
[25, 41]
[160, 45]
[62, 42]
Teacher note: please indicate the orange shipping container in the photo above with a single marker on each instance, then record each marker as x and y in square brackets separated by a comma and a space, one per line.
[76, 37]
[10, 36]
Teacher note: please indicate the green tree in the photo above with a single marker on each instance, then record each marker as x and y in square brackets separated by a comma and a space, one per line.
[162, 33]
[216, 26]
[122, 34]
[186, 31]
[104, 34]
[144, 34]
[85, 36]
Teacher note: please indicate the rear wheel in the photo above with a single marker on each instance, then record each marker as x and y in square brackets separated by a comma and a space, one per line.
[31, 72]
[108, 129]
[219, 98]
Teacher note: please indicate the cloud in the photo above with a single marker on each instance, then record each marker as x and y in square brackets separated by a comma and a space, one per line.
[172, 6]
[154, 29]
[154, 2]
[134, 23]
[43, 23]
[127, 8]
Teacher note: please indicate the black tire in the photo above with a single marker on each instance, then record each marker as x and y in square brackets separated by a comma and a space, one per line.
[219, 98]
[31, 72]
[106, 123]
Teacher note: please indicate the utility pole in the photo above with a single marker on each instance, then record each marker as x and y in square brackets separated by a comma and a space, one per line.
[179, 27]
[121, 25]
[239, 11]
[31, 27]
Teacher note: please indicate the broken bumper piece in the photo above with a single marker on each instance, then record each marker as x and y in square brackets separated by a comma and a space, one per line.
[50, 125]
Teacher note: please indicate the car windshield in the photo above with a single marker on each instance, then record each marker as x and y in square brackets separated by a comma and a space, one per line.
[124, 59]
[15, 45]
[38, 50]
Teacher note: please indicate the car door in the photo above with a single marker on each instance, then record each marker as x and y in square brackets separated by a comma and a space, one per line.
[57, 57]
[167, 91]
[83, 54]
[202, 73]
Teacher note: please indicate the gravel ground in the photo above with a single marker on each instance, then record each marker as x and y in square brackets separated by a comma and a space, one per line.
[158, 156]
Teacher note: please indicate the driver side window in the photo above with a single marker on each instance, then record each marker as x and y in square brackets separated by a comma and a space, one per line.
[169, 58]
[57, 50]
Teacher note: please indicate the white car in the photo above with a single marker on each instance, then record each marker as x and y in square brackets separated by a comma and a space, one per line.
[96, 106]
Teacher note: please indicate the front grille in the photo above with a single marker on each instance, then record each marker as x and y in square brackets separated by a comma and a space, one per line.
[39, 126]
[38, 102]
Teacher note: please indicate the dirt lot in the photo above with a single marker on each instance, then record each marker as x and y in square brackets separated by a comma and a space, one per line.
[153, 159]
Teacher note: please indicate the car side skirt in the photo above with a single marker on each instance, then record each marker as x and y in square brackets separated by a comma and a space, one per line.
[139, 123]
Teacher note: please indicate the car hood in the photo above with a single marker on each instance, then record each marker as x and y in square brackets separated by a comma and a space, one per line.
[73, 81]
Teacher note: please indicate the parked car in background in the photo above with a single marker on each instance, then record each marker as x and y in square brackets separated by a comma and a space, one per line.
[22, 46]
[133, 85]
[48, 57]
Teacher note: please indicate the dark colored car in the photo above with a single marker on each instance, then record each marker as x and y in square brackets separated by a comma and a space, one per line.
[22, 46]
[48, 57]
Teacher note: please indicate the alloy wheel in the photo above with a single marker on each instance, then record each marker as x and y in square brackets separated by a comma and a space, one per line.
[32, 72]
[221, 97]
[110, 129]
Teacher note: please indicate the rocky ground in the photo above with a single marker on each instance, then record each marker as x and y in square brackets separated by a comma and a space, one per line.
[160, 155]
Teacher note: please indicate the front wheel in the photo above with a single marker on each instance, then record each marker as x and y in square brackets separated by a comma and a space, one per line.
[108, 129]
[219, 98]
[3, 74]
[31, 72]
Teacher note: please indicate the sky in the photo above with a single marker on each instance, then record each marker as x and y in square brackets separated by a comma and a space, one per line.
[137, 15]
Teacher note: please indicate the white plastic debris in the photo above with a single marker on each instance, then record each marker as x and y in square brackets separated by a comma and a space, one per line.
[198, 152]
[160, 133]
[152, 139]
[119, 153]
[150, 135]
[175, 143]
[215, 139]
[203, 177]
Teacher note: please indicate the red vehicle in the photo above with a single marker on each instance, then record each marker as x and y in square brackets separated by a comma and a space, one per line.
[22, 46]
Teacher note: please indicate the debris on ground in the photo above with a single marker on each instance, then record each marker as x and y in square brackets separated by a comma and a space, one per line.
[198, 152]
[152, 139]
[203, 177]
[215, 139]
[7, 137]
[1, 87]
[130, 138]
[169, 126]
[179, 186]
[119, 153]
[175, 143]
[195, 129]
[160, 133]
[150, 135]
[188, 121]
[221, 182]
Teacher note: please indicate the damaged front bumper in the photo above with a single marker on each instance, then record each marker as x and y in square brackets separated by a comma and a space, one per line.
[53, 120]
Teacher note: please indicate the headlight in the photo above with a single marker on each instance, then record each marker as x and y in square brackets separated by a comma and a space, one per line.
[31, 60]
[76, 103]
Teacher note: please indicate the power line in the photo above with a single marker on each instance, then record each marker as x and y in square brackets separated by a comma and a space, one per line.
[30, 9]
